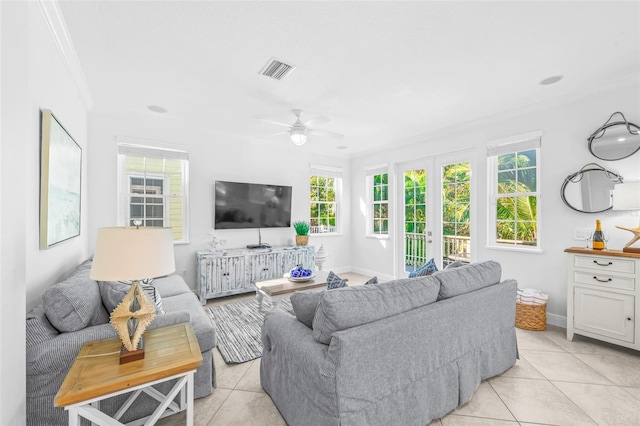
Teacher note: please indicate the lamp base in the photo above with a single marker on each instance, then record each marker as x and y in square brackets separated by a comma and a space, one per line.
[631, 249]
[130, 356]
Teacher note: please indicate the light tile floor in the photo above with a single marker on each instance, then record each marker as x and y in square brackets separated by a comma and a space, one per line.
[555, 382]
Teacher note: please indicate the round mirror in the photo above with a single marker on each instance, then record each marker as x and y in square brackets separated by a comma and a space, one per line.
[616, 140]
[590, 189]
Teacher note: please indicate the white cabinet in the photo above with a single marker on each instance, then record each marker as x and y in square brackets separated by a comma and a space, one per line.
[227, 272]
[603, 296]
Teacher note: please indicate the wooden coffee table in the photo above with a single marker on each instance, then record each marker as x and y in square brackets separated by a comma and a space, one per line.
[281, 288]
[96, 374]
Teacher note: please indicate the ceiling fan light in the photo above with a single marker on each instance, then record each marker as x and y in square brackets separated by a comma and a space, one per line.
[298, 137]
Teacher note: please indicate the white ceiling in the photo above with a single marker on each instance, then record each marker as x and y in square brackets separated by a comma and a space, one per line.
[382, 71]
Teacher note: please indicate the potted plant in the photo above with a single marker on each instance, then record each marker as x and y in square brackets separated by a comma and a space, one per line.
[302, 232]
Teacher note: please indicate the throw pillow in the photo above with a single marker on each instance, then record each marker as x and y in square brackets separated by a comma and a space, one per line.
[74, 303]
[154, 296]
[455, 264]
[426, 269]
[468, 278]
[373, 280]
[112, 293]
[304, 305]
[334, 281]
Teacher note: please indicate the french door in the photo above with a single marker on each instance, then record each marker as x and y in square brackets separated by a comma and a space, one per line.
[434, 211]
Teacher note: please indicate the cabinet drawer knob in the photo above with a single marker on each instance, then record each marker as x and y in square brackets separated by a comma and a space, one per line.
[602, 281]
[629, 319]
[602, 264]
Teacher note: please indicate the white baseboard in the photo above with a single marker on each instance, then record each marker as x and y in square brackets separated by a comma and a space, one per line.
[557, 320]
[368, 272]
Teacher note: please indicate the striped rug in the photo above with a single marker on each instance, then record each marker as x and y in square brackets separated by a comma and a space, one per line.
[238, 328]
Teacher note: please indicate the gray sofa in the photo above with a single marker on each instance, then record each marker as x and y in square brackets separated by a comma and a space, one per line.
[73, 312]
[399, 353]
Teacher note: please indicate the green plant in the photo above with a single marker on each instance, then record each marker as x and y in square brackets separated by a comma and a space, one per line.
[301, 227]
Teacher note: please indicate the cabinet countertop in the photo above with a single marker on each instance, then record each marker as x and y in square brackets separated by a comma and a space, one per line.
[614, 253]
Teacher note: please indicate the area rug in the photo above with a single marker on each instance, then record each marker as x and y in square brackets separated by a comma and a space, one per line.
[238, 328]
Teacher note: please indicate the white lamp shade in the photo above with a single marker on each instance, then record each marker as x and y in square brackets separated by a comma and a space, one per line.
[133, 254]
[626, 196]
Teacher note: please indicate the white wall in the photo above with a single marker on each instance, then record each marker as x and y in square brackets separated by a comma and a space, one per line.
[564, 151]
[212, 156]
[34, 76]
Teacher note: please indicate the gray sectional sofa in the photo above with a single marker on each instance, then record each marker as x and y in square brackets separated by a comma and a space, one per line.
[73, 312]
[398, 353]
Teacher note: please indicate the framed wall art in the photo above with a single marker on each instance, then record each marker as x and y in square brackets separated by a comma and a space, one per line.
[60, 179]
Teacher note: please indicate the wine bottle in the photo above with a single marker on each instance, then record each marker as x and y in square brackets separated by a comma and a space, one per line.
[598, 238]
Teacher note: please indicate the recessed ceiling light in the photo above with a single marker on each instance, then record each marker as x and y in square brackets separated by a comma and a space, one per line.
[551, 80]
[342, 147]
[157, 108]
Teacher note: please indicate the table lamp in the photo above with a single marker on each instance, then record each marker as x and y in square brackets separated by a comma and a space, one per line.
[626, 196]
[132, 254]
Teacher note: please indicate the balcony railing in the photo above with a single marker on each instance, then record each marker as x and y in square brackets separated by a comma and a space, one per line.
[322, 229]
[454, 248]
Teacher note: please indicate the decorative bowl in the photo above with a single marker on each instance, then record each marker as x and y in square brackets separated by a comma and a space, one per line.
[299, 279]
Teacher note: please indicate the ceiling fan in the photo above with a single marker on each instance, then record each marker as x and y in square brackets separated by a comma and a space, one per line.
[299, 130]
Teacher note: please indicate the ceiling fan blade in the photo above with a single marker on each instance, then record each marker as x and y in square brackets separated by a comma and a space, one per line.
[274, 122]
[276, 134]
[318, 121]
[325, 133]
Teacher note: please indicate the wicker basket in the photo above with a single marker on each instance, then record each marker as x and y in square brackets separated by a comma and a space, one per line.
[531, 317]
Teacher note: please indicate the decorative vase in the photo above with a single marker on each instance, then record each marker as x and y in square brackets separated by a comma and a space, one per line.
[321, 257]
[302, 240]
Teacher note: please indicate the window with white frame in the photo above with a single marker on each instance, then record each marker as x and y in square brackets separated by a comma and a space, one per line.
[153, 188]
[324, 197]
[377, 200]
[514, 193]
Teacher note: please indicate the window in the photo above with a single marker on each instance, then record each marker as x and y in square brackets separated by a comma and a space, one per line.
[324, 191]
[378, 201]
[514, 172]
[153, 188]
[415, 218]
[456, 212]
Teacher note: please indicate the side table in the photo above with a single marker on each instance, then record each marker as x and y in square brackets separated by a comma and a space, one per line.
[170, 353]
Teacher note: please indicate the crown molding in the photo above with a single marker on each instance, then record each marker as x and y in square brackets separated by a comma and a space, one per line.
[53, 16]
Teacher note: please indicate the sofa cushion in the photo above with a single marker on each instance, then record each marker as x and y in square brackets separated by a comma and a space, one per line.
[304, 304]
[74, 303]
[38, 328]
[352, 306]
[426, 269]
[334, 281]
[455, 281]
[203, 327]
[171, 285]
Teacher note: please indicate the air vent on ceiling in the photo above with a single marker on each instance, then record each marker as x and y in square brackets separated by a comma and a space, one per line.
[277, 69]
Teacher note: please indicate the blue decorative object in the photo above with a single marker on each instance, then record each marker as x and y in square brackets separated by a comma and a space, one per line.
[334, 281]
[426, 269]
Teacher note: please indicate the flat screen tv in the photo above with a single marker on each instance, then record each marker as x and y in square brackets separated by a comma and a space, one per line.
[241, 205]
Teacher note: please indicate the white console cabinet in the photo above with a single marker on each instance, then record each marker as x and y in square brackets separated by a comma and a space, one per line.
[603, 296]
[226, 272]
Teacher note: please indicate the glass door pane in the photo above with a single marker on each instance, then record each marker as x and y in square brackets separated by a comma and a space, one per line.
[456, 212]
[415, 219]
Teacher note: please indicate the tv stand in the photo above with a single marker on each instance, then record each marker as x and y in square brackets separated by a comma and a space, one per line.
[233, 271]
[258, 246]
